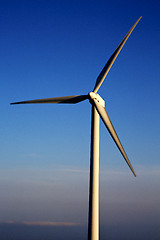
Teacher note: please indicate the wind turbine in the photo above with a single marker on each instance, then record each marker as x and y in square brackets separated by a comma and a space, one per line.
[98, 109]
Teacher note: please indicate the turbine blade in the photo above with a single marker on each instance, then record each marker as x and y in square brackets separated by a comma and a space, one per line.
[67, 99]
[105, 118]
[110, 62]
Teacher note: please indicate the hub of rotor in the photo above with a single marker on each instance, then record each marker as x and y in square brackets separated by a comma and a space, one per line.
[97, 97]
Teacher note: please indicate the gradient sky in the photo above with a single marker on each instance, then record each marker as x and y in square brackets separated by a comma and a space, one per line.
[57, 48]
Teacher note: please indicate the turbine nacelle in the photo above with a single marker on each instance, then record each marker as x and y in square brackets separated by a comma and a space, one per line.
[97, 98]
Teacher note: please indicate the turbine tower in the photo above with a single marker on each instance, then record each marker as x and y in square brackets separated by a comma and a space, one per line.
[98, 110]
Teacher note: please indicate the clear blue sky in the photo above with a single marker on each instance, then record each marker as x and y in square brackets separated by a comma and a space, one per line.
[58, 48]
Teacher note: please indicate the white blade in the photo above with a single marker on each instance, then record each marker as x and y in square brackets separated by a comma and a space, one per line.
[110, 62]
[67, 99]
[104, 116]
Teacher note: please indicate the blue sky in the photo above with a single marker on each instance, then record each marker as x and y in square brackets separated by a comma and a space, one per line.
[58, 48]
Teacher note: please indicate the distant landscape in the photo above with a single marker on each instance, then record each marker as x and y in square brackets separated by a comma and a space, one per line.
[121, 232]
